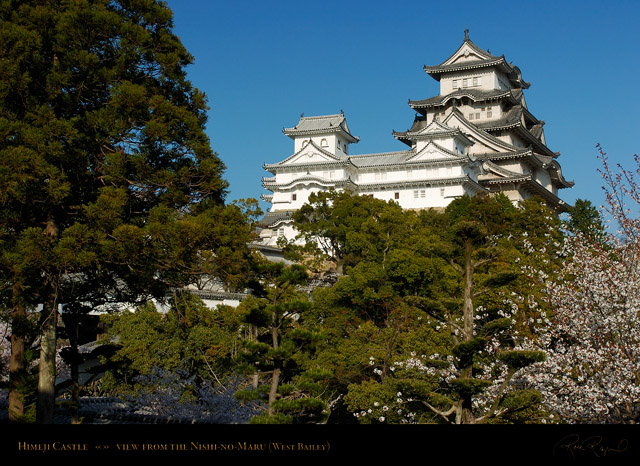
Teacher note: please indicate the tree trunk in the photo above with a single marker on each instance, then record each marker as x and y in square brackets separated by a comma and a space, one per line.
[275, 379]
[47, 370]
[273, 393]
[75, 387]
[467, 416]
[72, 324]
[467, 306]
[17, 370]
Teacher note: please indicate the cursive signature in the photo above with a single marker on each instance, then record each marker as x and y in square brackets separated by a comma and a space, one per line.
[595, 445]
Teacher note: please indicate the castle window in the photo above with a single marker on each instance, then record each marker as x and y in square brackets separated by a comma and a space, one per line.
[324, 143]
[280, 232]
[456, 83]
[396, 195]
[472, 116]
[476, 81]
[465, 82]
[441, 192]
[423, 193]
[415, 194]
[294, 197]
[489, 114]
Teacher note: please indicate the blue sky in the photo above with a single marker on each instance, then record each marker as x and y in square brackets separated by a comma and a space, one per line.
[263, 63]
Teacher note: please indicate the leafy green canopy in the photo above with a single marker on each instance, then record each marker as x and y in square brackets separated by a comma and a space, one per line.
[102, 140]
[109, 189]
[189, 337]
[421, 297]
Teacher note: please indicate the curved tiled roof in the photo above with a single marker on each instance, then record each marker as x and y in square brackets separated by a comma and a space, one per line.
[417, 182]
[486, 60]
[269, 183]
[272, 218]
[477, 95]
[323, 124]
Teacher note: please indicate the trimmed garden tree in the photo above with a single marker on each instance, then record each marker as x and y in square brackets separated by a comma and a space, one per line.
[278, 346]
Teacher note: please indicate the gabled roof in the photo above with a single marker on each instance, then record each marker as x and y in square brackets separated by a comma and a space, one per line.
[332, 157]
[509, 119]
[469, 56]
[515, 119]
[473, 132]
[420, 130]
[449, 155]
[323, 124]
[525, 182]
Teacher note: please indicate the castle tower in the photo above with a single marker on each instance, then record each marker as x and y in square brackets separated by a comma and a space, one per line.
[483, 96]
[476, 136]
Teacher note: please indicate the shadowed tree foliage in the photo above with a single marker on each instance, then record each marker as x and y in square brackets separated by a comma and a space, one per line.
[280, 343]
[107, 178]
[189, 337]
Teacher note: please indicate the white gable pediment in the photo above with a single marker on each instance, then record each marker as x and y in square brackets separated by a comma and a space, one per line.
[467, 53]
[433, 151]
[310, 153]
[435, 127]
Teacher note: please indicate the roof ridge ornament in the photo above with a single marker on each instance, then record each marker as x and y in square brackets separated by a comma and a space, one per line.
[466, 34]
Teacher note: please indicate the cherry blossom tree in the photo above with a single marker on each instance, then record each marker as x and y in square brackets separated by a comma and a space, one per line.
[592, 339]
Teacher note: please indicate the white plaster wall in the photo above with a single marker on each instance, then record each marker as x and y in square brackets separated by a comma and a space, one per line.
[542, 177]
[283, 200]
[486, 81]
[515, 166]
[330, 147]
[432, 197]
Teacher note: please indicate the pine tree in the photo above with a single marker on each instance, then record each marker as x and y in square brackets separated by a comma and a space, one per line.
[106, 174]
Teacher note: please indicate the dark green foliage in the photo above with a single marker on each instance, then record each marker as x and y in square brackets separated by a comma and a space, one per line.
[496, 326]
[585, 219]
[424, 283]
[467, 388]
[465, 351]
[109, 188]
[520, 359]
[190, 337]
[279, 345]
[518, 399]
[276, 418]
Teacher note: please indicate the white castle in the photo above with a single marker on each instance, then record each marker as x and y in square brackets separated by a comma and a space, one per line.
[476, 136]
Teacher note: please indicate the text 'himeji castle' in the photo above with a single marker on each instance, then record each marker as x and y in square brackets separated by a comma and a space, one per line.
[476, 136]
